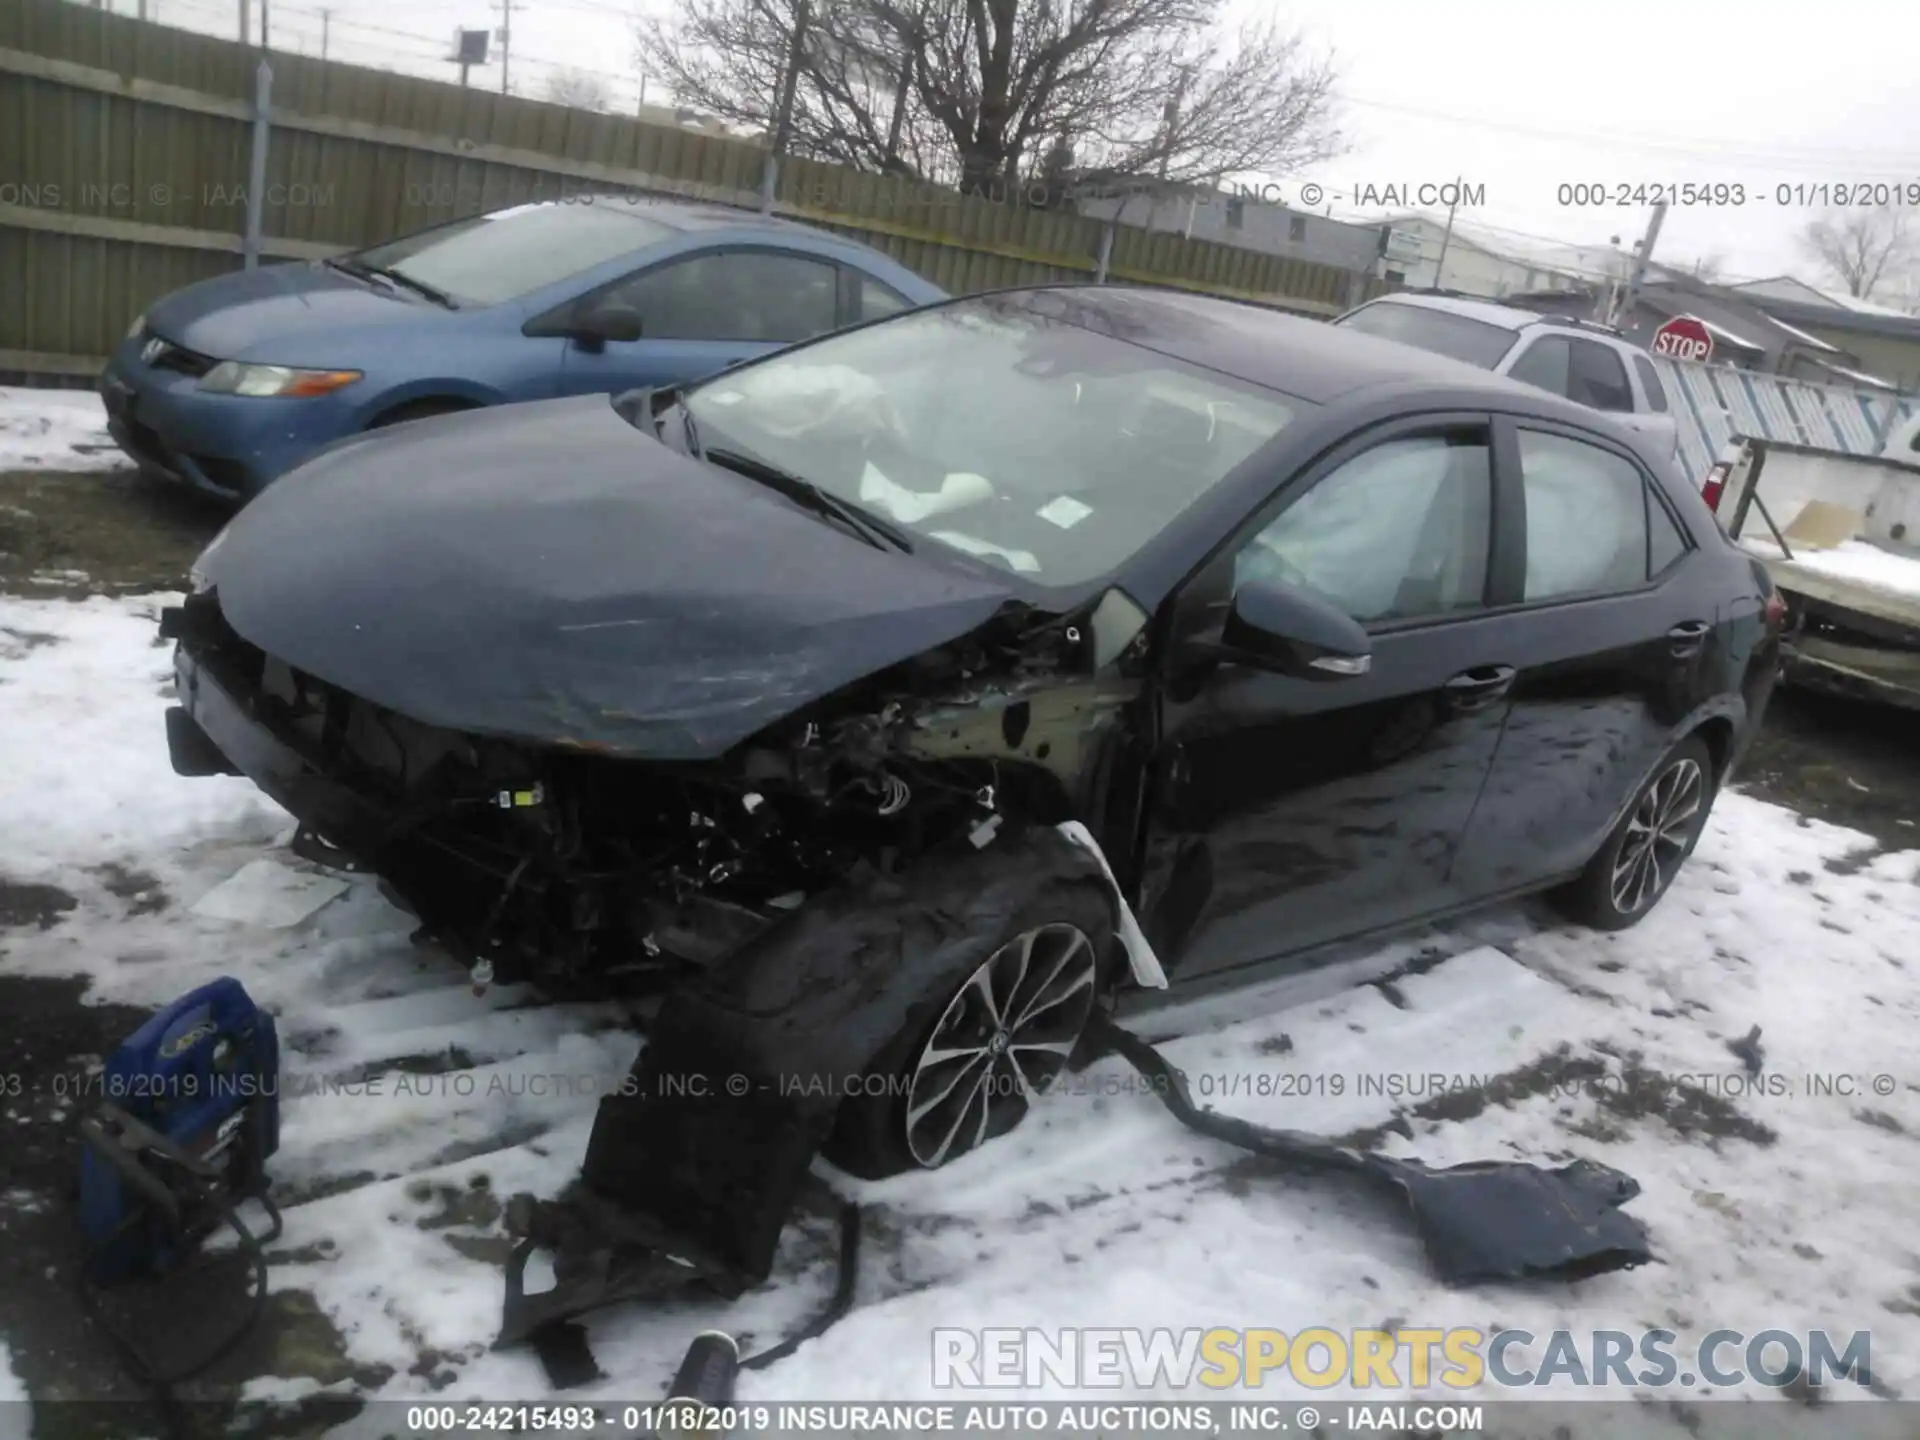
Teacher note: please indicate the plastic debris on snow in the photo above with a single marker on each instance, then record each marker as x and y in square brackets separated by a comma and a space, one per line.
[270, 894]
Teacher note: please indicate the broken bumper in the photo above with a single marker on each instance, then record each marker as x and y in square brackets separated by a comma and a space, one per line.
[1861, 653]
[1857, 672]
[213, 731]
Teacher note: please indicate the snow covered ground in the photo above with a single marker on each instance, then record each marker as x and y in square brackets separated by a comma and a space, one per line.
[1854, 561]
[15, 1415]
[55, 430]
[1770, 1206]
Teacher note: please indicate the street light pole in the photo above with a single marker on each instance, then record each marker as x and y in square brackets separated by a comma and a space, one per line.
[1630, 295]
[1446, 239]
[783, 108]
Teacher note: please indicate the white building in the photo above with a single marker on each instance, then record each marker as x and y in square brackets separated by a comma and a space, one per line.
[1474, 260]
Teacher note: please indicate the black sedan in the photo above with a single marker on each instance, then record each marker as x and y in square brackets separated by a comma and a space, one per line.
[890, 703]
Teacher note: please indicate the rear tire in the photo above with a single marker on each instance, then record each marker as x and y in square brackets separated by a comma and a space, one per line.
[1640, 859]
[1004, 1020]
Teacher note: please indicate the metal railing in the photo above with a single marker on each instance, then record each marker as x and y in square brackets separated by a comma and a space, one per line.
[1717, 403]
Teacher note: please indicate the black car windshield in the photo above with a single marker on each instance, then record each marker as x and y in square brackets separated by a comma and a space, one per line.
[1444, 333]
[490, 258]
[1029, 441]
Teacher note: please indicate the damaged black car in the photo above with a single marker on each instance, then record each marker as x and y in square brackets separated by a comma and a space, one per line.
[892, 704]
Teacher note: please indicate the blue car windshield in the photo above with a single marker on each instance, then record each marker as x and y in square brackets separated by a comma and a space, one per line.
[490, 258]
[1029, 441]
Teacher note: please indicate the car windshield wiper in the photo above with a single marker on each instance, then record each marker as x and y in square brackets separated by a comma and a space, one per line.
[879, 533]
[398, 277]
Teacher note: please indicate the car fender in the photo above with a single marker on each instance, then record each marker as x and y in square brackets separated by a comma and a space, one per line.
[743, 1071]
[821, 994]
[434, 387]
[1731, 708]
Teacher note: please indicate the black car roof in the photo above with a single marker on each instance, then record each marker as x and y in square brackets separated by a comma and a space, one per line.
[1310, 359]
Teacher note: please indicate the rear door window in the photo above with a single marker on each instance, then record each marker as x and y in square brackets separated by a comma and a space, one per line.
[875, 300]
[1546, 363]
[1650, 382]
[1596, 377]
[1586, 518]
[1665, 542]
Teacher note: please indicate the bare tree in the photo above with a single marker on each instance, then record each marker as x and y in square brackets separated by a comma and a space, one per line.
[1863, 248]
[579, 89]
[993, 93]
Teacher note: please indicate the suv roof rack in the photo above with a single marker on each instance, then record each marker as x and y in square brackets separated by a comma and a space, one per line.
[1580, 324]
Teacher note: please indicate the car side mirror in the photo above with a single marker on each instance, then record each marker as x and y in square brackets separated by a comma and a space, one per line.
[593, 327]
[1294, 632]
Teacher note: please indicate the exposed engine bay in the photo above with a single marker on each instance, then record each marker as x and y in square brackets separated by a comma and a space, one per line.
[575, 867]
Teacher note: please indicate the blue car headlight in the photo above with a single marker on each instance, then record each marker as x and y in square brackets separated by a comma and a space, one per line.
[235, 377]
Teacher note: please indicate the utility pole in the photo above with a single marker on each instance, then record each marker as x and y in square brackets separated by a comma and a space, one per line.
[326, 24]
[783, 110]
[1624, 303]
[901, 91]
[1446, 239]
[264, 42]
[246, 26]
[506, 42]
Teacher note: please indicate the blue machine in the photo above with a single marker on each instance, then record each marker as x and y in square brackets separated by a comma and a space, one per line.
[190, 1113]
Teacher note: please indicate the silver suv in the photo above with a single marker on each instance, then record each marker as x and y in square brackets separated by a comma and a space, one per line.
[1578, 359]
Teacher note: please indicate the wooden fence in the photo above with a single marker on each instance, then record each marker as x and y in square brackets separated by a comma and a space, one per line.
[127, 155]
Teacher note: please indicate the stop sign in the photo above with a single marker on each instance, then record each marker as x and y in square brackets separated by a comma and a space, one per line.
[1683, 338]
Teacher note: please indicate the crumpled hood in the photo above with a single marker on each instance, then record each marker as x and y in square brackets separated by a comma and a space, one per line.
[547, 572]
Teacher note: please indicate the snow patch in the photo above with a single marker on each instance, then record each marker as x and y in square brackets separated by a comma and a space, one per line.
[412, 1108]
[1856, 562]
[16, 1409]
[55, 430]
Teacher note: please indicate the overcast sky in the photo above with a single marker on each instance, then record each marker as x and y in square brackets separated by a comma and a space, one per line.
[1514, 96]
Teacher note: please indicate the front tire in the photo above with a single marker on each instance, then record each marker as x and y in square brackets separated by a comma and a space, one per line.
[1009, 1015]
[420, 410]
[1640, 859]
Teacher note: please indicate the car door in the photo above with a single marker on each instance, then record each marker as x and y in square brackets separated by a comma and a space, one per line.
[1284, 812]
[1612, 631]
[703, 312]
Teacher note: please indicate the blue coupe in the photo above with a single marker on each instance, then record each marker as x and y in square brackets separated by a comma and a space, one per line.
[231, 382]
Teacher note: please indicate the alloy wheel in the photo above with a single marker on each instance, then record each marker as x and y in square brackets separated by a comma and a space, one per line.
[1002, 1039]
[1658, 834]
